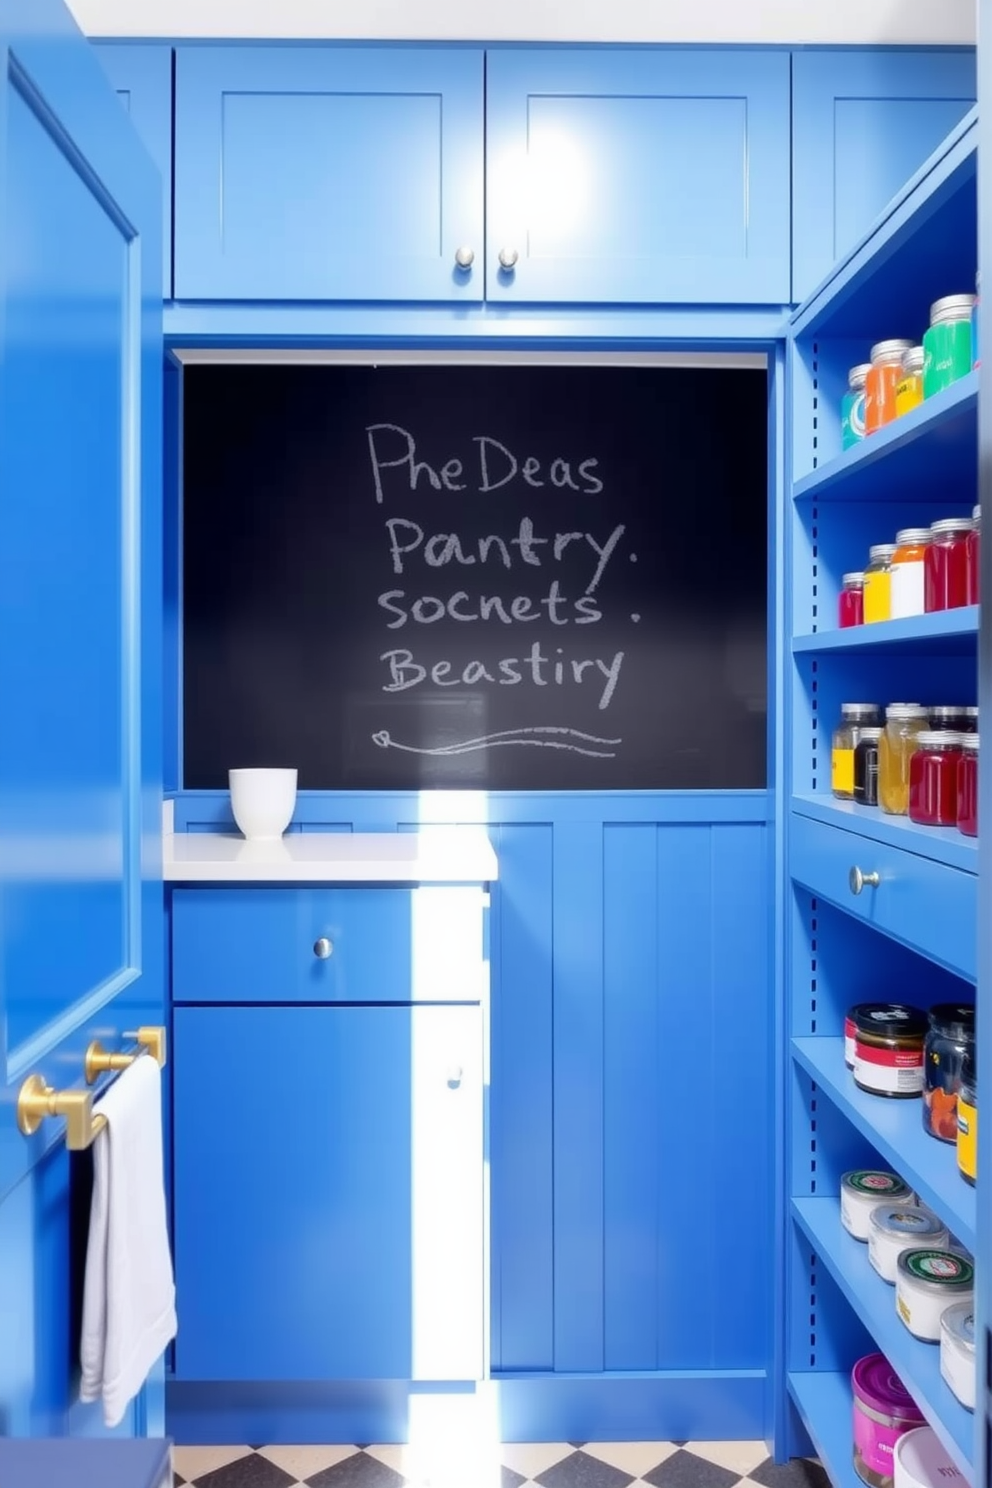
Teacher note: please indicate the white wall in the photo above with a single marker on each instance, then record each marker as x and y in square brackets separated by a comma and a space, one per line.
[823, 21]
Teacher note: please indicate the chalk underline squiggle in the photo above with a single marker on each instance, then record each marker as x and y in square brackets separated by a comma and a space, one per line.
[534, 737]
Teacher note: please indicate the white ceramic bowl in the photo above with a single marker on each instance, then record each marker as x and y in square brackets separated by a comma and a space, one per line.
[262, 802]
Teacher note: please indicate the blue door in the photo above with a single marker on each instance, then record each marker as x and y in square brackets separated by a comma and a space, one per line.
[643, 176]
[81, 941]
[329, 173]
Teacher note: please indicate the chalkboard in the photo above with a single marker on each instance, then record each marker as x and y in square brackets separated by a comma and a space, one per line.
[515, 577]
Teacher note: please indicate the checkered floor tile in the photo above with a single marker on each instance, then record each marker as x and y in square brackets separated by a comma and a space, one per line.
[522, 1465]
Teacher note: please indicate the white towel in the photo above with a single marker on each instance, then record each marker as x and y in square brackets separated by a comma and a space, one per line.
[129, 1312]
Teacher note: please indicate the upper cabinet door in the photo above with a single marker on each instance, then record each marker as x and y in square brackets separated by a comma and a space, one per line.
[141, 76]
[637, 177]
[863, 124]
[328, 173]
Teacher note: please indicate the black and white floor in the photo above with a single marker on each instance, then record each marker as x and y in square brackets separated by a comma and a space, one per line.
[546, 1465]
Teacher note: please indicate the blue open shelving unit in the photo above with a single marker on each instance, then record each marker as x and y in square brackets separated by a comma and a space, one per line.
[920, 467]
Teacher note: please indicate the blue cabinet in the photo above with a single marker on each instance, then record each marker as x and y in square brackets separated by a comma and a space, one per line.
[329, 1193]
[141, 76]
[328, 173]
[864, 121]
[647, 176]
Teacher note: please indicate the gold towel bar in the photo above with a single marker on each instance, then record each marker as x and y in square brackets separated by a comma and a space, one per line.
[38, 1100]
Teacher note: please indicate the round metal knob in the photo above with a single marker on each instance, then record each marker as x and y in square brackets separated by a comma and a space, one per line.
[858, 880]
[508, 258]
[454, 1076]
[322, 948]
[464, 257]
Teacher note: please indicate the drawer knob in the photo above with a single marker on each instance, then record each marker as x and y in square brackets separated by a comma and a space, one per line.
[858, 880]
[455, 1073]
[322, 948]
[508, 259]
[464, 257]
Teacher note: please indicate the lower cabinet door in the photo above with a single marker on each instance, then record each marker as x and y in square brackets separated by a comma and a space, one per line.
[329, 1193]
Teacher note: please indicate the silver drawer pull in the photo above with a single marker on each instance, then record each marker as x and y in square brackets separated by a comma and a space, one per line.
[455, 1073]
[858, 880]
[322, 948]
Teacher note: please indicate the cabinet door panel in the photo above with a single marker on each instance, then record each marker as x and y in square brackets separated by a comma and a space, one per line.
[329, 1212]
[924, 904]
[651, 176]
[326, 173]
[863, 123]
[141, 76]
[382, 944]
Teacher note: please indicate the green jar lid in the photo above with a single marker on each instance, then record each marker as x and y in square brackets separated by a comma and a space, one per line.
[942, 1269]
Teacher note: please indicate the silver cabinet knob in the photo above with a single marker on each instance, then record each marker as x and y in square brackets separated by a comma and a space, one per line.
[455, 1073]
[464, 257]
[508, 258]
[322, 948]
[858, 880]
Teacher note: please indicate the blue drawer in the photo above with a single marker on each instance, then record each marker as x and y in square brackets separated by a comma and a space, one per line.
[320, 944]
[926, 905]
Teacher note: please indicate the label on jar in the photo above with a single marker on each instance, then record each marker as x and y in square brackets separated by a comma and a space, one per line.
[875, 1443]
[967, 1139]
[890, 1071]
[877, 596]
[842, 772]
[907, 591]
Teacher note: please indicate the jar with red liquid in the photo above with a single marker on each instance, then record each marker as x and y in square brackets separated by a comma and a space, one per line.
[933, 778]
[973, 545]
[945, 565]
[851, 600]
[968, 786]
[882, 382]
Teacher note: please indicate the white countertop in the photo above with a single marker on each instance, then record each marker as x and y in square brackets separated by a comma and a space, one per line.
[448, 855]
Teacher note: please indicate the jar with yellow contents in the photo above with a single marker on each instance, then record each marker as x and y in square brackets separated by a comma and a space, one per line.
[896, 747]
[877, 592]
[909, 388]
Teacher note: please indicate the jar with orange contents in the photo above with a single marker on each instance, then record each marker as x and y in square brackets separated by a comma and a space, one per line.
[882, 383]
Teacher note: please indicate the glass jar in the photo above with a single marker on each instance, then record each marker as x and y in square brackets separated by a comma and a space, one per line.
[949, 1038]
[908, 563]
[888, 1050]
[933, 779]
[947, 343]
[853, 718]
[967, 785]
[968, 1118]
[852, 408]
[866, 767]
[945, 566]
[878, 583]
[952, 716]
[850, 602]
[904, 722]
[973, 546]
[909, 389]
[881, 383]
[884, 1411]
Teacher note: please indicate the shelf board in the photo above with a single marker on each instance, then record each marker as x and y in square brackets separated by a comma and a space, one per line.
[931, 450]
[941, 844]
[945, 633]
[895, 1129]
[824, 1402]
[917, 1364]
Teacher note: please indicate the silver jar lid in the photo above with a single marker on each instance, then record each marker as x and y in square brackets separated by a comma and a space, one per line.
[857, 376]
[912, 360]
[969, 741]
[952, 524]
[912, 535]
[852, 580]
[905, 710]
[939, 738]
[889, 351]
[952, 307]
[859, 710]
[880, 551]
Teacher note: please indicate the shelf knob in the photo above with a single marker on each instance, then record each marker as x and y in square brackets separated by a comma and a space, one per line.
[858, 880]
[464, 257]
[508, 259]
[455, 1073]
[323, 948]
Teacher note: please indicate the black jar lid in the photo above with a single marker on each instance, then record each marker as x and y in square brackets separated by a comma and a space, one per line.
[954, 1019]
[889, 1019]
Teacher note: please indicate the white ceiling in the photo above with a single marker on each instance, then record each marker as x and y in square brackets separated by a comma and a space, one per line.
[859, 22]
